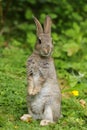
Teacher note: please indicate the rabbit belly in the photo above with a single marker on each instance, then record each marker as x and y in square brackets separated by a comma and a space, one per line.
[45, 98]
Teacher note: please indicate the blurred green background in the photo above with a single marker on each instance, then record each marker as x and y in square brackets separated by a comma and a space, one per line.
[17, 40]
[69, 32]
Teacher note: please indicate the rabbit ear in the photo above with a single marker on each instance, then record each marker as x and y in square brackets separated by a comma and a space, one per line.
[47, 25]
[38, 25]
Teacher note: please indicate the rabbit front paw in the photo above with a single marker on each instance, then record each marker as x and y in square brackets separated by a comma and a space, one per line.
[33, 91]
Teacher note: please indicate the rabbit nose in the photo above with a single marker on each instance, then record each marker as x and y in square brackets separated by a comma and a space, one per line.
[45, 50]
[48, 48]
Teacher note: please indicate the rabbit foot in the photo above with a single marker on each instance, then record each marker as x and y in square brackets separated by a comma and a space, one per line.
[26, 117]
[45, 122]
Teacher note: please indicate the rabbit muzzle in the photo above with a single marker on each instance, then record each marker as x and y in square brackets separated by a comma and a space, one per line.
[46, 51]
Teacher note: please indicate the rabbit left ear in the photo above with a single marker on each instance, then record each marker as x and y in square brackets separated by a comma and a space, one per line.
[38, 25]
[47, 25]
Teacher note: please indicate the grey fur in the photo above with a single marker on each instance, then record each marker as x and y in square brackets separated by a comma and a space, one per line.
[44, 96]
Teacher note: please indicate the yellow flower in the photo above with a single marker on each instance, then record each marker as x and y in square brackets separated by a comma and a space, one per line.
[15, 126]
[75, 93]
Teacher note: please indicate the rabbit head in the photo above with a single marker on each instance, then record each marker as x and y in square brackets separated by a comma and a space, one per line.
[44, 44]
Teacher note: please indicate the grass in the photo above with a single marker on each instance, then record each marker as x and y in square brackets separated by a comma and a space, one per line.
[13, 97]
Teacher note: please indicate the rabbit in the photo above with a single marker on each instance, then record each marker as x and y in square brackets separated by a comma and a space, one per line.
[43, 92]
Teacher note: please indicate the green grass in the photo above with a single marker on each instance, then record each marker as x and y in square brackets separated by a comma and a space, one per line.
[13, 97]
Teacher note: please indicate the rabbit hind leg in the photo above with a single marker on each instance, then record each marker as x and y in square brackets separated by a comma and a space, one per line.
[47, 116]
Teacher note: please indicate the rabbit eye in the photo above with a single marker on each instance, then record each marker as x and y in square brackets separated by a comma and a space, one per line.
[39, 41]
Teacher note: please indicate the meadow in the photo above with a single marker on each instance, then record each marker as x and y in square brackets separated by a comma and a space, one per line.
[13, 96]
[17, 41]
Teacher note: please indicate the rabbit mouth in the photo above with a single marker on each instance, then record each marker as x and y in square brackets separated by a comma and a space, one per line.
[46, 54]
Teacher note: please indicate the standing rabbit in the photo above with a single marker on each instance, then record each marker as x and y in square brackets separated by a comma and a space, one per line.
[44, 96]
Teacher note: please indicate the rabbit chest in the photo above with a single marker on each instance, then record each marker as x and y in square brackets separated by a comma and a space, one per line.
[38, 68]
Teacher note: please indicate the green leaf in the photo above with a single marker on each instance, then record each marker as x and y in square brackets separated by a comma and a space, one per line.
[31, 39]
[28, 14]
[55, 36]
[71, 48]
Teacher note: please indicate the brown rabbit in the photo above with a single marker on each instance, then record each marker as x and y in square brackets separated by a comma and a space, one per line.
[44, 96]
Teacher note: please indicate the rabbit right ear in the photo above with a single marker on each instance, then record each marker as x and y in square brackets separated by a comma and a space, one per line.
[47, 25]
[38, 25]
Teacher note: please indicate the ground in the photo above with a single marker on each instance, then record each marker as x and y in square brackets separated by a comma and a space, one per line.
[13, 97]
